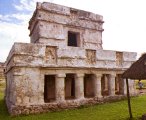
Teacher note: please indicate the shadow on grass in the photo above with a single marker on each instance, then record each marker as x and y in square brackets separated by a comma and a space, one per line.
[3, 108]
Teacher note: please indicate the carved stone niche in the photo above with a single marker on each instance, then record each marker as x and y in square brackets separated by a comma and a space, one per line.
[119, 58]
[50, 55]
[91, 56]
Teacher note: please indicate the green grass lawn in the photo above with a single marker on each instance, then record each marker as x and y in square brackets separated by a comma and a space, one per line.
[2, 86]
[108, 111]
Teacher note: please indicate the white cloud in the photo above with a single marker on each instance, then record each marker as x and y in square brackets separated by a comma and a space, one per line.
[28, 5]
[14, 28]
[11, 33]
[21, 18]
[5, 17]
[25, 5]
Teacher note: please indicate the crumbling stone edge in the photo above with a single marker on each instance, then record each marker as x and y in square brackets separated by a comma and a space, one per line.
[64, 105]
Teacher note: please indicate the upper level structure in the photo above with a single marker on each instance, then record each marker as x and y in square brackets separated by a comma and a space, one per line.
[64, 27]
[66, 37]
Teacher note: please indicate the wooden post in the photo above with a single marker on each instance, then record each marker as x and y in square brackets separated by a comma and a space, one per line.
[128, 97]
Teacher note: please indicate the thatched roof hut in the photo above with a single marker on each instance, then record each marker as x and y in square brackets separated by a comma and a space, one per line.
[137, 69]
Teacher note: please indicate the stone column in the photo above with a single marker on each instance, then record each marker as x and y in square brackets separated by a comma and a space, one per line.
[97, 85]
[60, 87]
[79, 86]
[123, 89]
[111, 84]
[131, 86]
[106, 82]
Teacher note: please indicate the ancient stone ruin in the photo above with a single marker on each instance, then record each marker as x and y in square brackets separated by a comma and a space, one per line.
[65, 65]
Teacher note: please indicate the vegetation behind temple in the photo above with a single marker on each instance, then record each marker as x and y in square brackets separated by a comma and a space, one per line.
[2, 86]
[144, 83]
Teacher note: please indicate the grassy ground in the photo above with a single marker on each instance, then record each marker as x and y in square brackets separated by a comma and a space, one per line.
[108, 111]
[2, 86]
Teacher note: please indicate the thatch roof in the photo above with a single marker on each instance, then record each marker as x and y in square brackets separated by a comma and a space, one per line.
[137, 69]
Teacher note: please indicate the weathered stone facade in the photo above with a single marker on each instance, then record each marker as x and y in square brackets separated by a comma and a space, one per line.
[64, 66]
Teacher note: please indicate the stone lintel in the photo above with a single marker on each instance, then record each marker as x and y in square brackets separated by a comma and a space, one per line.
[98, 75]
[62, 75]
[79, 75]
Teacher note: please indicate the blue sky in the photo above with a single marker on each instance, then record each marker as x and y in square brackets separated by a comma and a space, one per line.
[10, 8]
[124, 27]
[6, 7]
[14, 17]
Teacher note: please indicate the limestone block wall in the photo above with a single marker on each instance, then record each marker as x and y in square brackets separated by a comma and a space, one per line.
[10, 88]
[27, 85]
[25, 88]
[58, 20]
[24, 54]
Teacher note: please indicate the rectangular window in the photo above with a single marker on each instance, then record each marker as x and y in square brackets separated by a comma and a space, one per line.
[73, 39]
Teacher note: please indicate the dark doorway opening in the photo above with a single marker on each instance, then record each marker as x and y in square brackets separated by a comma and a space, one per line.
[49, 88]
[88, 86]
[104, 85]
[119, 85]
[70, 86]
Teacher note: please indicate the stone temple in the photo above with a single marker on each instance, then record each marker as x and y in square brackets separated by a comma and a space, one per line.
[65, 65]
